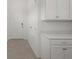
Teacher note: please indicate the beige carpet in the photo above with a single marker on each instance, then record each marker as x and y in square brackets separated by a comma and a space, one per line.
[19, 49]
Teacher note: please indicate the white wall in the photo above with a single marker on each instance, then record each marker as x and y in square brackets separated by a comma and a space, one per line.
[33, 27]
[56, 27]
[17, 12]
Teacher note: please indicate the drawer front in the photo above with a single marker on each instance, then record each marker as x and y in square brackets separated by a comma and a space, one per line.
[61, 42]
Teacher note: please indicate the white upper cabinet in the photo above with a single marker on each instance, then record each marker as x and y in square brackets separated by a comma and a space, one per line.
[56, 10]
[50, 9]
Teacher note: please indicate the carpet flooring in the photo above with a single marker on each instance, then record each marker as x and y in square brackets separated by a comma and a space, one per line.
[19, 49]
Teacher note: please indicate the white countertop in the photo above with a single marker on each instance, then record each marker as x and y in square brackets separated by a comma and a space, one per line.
[58, 36]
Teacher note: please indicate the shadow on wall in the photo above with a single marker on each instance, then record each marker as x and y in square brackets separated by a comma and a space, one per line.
[56, 27]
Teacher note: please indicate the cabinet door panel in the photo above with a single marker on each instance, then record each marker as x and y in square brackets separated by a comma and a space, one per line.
[68, 53]
[70, 8]
[56, 9]
[57, 53]
[61, 53]
[50, 9]
[63, 9]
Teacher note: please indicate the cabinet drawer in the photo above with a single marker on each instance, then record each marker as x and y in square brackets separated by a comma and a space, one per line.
[61, 42]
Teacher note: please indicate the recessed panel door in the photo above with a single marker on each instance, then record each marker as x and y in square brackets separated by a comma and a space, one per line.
[63, 9]
[51, 10]
[57, 53]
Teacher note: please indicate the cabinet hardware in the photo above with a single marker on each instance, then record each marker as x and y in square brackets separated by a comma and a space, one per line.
[64, 48]
[22, 24]
[57, 16]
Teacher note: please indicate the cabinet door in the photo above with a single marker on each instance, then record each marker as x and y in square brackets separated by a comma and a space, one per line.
[70, 12]
[51, 9]
[61, 53]
[57, 9]
[57, 53]
[67, 53]
[64, 9]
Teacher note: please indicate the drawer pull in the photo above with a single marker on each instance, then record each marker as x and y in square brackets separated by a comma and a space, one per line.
[57, 16]
[64, 48]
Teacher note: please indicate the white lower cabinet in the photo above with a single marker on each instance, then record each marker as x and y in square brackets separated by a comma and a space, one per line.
[56, 53]
[61, 53]
[56, 49]
[68, 53]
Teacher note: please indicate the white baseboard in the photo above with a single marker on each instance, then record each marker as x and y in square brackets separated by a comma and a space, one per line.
[38, 57]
